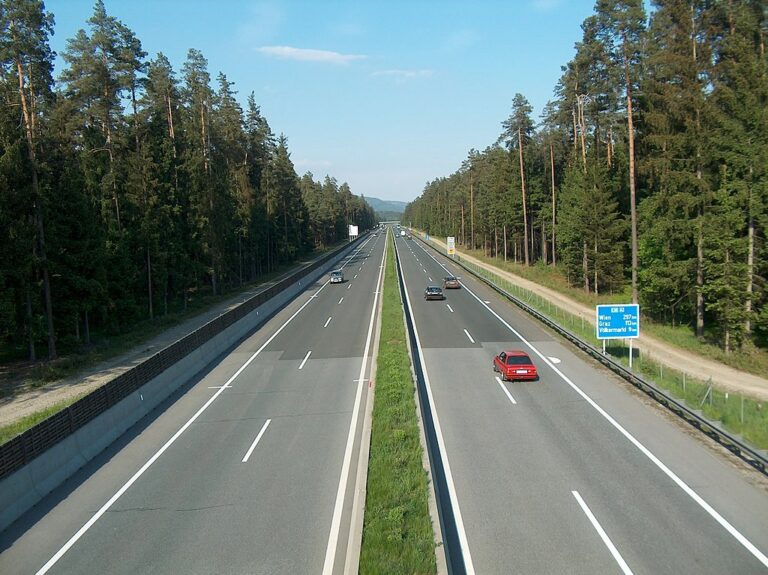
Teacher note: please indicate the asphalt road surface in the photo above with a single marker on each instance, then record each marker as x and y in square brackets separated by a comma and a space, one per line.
[249, 469]
[576, 472]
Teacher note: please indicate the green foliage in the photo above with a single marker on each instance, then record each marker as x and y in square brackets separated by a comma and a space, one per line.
[698, 77]
[140, 190]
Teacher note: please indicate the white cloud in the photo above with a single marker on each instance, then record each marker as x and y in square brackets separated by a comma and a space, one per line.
[403, 75]
[309, 55]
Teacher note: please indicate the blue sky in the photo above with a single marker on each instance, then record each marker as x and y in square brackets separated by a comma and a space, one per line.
[384, 95]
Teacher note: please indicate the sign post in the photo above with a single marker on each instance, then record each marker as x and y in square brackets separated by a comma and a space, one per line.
[618, 321]
[451, 244]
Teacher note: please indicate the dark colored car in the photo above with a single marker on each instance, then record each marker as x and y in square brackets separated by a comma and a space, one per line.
[515, 364]
[433, 292]
[450, 282]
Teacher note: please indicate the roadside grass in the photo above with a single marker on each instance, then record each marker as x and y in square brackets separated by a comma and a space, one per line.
[398, 537]
[11, 430]
[737, 413]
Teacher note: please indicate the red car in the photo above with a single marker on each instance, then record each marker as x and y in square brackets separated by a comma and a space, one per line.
[515, 364]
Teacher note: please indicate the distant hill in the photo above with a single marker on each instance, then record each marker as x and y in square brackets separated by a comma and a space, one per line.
[386, 207]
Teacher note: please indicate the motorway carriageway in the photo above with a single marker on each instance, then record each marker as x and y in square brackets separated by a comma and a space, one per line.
[251, 468]
[577, 472]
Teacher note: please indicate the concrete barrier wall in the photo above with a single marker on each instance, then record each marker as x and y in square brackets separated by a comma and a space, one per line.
[21, 490]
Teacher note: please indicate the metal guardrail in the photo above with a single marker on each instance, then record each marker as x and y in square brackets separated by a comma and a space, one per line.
[25, 447]
[454, 556]
[736, 446]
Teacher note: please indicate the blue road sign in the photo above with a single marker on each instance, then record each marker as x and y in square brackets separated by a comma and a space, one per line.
[618, 321]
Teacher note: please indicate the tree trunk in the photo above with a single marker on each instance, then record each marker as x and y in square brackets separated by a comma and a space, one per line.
[700, 280]
[505, 242]
[522, 188]
[750, 264]
[149, 285]
[29, 123]
[552, 169]
[585, 267]
[632, 191]
[87, 326]
[30, 331]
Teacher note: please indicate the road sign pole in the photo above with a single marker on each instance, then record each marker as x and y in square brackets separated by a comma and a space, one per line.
[630, 353]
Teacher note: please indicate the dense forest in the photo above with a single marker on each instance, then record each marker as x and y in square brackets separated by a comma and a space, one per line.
[646, 174]
[127, 187]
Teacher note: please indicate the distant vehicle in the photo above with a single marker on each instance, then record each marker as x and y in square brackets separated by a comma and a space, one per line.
[433, 292]
[402, 233]
[337, 277]
[451, 282]
[408, 237]
[514, 364]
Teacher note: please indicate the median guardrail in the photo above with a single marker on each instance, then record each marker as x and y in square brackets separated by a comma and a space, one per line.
[733, 444]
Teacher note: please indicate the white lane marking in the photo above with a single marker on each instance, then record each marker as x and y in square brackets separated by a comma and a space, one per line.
[349, 286]
[603, 535]
[333, 536]
[425, 270]
[104, 508]
[354, 278]
[504, 387]
[341, 300]
[306, 357]
[430, 279]
[327, 322]
[486, 301]
[449, 307]
[468, 565]
[469, 336]
[643, 449]
[219, 387]
[360, 269]
[256, 441]
[554, 360]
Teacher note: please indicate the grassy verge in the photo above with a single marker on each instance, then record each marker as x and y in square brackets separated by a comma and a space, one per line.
[8, 432]
[738, 414]
[397, 534]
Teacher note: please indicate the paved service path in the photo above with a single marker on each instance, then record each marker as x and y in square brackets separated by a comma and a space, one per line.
[692, 364]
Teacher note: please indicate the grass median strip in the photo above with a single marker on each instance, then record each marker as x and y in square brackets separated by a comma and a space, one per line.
[397, 533]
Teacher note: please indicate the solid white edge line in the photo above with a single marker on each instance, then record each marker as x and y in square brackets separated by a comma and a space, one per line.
[256, 441]
[306, 357]
[96, 516]
[644, 450]
[504, 387]
[603, 535]
[469, 336]
[333, 536]
[327, 322]
[468, 565]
